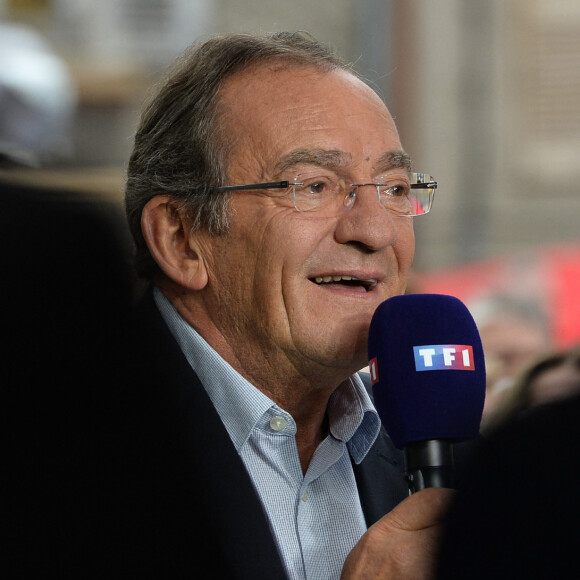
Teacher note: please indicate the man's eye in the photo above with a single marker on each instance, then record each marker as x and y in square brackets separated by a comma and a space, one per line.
[319, 185]
[316, 187]
[396, 191]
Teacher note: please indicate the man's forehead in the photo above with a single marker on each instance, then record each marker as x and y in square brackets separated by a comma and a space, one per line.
[285, 129]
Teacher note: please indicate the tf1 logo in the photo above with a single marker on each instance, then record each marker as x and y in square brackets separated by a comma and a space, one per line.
[442, 357]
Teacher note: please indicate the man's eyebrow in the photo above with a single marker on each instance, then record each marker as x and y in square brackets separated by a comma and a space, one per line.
[335, 159]
[394, 160]
[328, 158]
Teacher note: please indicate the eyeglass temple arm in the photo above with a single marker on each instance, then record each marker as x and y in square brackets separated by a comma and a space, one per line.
[427, 185]
[268, 185]
[285, 184]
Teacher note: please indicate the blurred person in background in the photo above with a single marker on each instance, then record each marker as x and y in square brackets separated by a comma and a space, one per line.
[553, 377]
[549, 377]
[67, 293]
[514, 331]
[516, 512]
[38, 100]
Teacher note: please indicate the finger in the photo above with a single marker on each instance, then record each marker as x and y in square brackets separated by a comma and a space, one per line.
[423, 509]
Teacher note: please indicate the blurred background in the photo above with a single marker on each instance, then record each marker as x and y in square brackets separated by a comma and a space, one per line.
[486, 95]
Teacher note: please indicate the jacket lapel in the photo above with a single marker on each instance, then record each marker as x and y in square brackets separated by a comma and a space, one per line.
[380, 478]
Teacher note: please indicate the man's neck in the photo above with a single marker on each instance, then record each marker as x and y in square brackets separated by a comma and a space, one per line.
[304, 395]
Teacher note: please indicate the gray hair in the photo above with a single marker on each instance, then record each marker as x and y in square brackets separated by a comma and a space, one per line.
[180, 148]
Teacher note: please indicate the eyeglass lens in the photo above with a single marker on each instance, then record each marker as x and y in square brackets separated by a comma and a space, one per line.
[330, 194]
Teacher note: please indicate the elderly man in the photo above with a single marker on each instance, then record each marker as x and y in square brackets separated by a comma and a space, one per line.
[271, 203]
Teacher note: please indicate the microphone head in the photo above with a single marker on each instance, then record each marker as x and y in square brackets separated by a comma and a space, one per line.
[427, 368]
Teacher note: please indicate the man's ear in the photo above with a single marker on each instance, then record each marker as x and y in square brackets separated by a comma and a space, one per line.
[172, 245]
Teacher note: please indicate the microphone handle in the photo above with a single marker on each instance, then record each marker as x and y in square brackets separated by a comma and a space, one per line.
[429, 464]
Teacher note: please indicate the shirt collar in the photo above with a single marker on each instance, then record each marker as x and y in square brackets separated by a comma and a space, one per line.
[352, 416]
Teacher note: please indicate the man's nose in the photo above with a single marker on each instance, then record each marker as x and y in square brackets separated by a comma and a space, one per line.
[367, 222]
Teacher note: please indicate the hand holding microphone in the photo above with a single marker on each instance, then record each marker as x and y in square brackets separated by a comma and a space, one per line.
[428, 373]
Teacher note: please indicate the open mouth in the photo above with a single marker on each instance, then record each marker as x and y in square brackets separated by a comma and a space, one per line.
[345, 281]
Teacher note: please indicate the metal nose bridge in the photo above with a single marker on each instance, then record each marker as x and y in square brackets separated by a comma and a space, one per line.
[352, 193]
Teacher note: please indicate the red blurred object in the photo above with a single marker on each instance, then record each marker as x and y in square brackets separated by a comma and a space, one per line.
[549, 275]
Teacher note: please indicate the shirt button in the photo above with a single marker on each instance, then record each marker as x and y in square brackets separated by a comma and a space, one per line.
[278, 423]
[305, 496]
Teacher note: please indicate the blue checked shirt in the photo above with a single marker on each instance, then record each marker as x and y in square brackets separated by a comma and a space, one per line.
[316, 518]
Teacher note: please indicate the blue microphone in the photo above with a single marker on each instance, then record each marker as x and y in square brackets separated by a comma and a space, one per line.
[428, 374]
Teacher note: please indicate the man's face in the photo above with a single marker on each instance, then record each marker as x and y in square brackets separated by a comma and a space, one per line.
[265, 288]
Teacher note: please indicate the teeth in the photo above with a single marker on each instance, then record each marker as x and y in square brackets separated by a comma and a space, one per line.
[325, 279]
